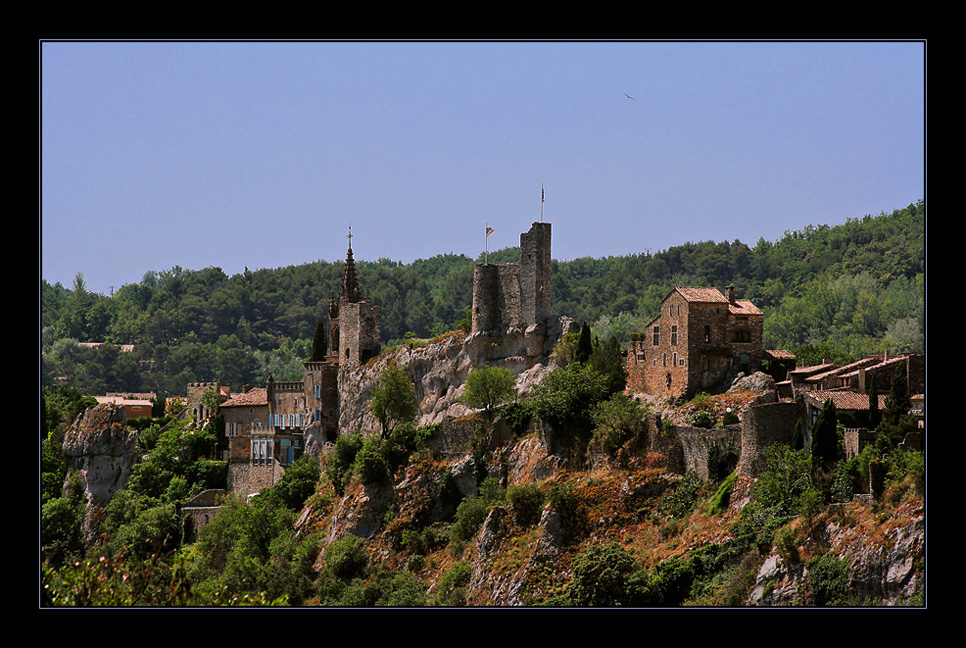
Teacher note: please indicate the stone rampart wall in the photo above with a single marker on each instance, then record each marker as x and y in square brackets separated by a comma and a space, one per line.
[764, 425]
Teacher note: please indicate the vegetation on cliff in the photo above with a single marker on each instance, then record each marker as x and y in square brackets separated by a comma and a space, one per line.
[537, 512]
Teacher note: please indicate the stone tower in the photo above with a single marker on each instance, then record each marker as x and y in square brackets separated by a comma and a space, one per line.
[512, 295]
[354, 324]
[535, 274]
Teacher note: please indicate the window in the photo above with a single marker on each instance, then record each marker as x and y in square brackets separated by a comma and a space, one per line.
[674, 335]
[656, 340]
[261, 451]
[707, 334]
[742, 335]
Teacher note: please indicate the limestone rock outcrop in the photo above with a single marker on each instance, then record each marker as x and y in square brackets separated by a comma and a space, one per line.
[101, 450]
[439, 368]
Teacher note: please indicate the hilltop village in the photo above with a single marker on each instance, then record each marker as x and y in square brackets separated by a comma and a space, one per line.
[702, 340]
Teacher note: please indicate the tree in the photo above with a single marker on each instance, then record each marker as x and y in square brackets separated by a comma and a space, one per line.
[319, 341]
[394, 399]
[566, 397]
[585, 345]
[825, 442]
[488, 387]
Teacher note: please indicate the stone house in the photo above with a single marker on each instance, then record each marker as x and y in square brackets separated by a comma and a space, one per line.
[700, 341]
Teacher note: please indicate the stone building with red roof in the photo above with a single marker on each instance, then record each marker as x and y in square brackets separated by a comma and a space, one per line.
[700, 341]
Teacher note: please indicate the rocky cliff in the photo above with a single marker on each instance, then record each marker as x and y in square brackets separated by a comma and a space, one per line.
[102, 450]
[438, 369]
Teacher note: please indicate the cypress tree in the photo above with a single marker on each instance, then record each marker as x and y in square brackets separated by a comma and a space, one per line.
[585, 345]
[318, 341]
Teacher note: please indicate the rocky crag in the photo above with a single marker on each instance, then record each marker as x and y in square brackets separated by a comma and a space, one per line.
[438, 369]
[100, 451]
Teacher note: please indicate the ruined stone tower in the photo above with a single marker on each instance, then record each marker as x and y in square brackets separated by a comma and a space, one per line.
[515, 295]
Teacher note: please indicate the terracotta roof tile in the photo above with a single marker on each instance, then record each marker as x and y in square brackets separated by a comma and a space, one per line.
[700, 294]
[255, 396]
[844, 400]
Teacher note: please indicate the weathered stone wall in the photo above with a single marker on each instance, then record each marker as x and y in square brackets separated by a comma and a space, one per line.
[496, 297]
[196, 405]
[245, 478]
[764, 425]
[360, 331]
[535, 295]
[710, 451]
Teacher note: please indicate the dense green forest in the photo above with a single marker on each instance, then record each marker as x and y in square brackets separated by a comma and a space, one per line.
[840, 292]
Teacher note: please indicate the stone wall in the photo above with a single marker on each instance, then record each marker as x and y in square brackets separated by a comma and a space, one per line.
[764, 425]
[360, 331]
[535, 296]
[245, 478]
[496, 297]
[509, 295]
[710, 452]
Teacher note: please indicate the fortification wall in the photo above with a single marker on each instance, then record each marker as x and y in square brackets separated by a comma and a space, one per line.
[710, 452]
[764, 425]
[535, 296]
[496, 296]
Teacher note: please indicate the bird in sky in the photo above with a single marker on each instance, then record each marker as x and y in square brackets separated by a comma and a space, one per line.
[629, 97]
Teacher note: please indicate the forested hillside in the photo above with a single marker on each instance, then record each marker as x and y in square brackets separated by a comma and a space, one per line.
[839, 292]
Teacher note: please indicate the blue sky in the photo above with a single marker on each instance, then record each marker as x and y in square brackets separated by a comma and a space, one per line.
[263, 154]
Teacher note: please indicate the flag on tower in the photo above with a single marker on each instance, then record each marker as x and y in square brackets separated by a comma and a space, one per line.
[489, 230]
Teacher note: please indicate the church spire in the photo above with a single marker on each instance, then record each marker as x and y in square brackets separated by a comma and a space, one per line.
[349, 293]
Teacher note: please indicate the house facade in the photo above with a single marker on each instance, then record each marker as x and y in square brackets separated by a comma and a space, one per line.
[700, 341]
[269, 427]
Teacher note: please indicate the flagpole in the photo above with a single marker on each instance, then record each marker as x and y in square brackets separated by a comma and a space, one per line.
[486, 244]
[541, 202]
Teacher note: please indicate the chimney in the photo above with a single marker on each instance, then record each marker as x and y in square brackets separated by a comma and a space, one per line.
[731, 294]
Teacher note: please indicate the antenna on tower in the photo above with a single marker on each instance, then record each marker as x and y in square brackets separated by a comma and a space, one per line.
[541, 202]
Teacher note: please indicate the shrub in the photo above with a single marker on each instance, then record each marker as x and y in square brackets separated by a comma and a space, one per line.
[487, 388]
[370, 464]
[701, 418]
[341, 460]
[346, 558]
[615, 420]
[603, 576]
[452, 587]
[469, 516]
[517, 416]
[827, 580]
[680, 501]
[526, 502]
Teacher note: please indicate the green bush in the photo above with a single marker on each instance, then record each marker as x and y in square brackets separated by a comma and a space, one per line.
[680, 501]
[346, 558]
[606, 576]
[722, 497]
[370, 464]
[452, 587]
[470, 514]
[517, 415]
[828, 580]
[340, 461]
[526, 503]
[701, 418]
